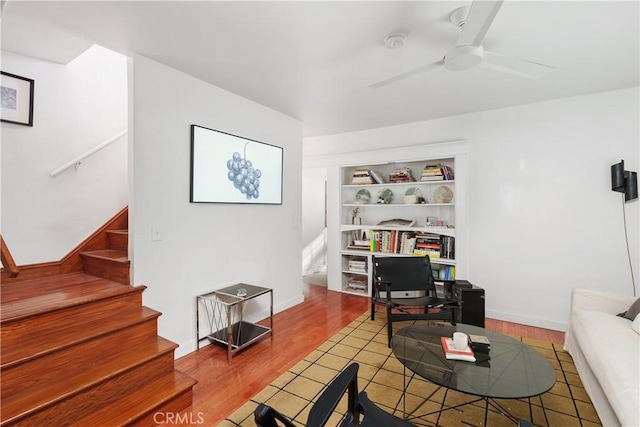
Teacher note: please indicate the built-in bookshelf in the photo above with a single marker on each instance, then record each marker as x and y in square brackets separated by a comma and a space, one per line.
[405, 208]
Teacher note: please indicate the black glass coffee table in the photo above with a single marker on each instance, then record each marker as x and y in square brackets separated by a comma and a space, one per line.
[512, 369]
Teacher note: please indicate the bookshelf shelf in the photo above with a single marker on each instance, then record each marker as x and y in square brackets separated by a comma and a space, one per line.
[360, 273]
[443, 231]
[396, 205]
[398, 184]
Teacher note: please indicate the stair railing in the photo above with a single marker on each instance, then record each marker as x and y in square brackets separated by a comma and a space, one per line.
[7, 260]
[78, 160]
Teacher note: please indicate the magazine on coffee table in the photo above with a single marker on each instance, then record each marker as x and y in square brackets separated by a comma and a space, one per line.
[451, 353]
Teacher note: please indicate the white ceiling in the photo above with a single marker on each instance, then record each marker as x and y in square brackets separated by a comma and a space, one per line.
[315, 60]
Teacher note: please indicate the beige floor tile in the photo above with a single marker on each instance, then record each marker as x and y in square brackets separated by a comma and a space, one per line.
[320, 373]
[377, 347]
[304, 387]
[354, 342]
[326, 346]
[300, 366]
[287, 404]
[389, 379]
[561, 419]
[243, 412]
[559, 404]
[369, 358]
[332, 361]
[344, 351]
[266, 394]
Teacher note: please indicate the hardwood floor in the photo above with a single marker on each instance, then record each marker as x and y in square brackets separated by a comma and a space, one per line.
[222, 388]
[515, 329]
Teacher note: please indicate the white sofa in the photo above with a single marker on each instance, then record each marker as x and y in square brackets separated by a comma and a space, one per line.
[606, 352]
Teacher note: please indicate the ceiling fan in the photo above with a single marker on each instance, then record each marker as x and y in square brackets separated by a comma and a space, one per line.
[475, 21]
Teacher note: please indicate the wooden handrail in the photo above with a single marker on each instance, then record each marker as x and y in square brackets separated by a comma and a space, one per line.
[7, 260]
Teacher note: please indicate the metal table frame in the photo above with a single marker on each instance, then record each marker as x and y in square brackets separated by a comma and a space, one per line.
[225, 317]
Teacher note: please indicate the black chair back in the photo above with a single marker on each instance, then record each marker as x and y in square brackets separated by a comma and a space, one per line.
[405, 273]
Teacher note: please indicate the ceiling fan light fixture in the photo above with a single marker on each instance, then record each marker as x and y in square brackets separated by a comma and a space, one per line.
[459, 16]
[463, 58]
[395, 40]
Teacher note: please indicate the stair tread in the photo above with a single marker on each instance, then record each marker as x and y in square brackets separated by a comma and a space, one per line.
[109, 367]
[137, 404]
[109, 254]
[35, 346]
[49, 294]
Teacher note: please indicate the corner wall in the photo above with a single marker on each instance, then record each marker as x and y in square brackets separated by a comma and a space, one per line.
[206, 246]
[542, 216]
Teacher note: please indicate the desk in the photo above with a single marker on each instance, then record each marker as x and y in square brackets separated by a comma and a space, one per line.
[514, 370]
[225, 318]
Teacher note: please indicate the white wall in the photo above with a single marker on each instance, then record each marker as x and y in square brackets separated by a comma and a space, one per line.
[542, 216]
[313, 203]
[76, 107]
[206, 246]
[314, 234]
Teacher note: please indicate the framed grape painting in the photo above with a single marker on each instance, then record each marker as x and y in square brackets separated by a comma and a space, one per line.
[227, 168]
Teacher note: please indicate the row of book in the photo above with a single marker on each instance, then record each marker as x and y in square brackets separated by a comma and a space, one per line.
[392, 241]
[369, 176]
[435, 246]
[412, 243]
[437, 172]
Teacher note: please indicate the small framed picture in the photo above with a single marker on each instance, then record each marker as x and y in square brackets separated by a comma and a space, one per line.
[16, 97]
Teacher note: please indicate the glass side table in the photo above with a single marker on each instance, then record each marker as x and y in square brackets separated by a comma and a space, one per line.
[224, 312]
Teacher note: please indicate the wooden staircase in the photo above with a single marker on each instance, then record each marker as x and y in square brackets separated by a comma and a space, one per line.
[79, 348]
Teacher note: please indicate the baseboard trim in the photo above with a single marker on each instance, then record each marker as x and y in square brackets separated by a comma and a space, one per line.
[526, 320]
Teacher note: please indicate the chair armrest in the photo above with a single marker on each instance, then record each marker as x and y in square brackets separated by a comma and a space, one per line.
[380, 285]
[266, 416]
[329, 399]
[596, 300]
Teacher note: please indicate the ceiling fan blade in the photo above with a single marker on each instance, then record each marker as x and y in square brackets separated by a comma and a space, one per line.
[478, 21]
[512, 65]
[406, 74]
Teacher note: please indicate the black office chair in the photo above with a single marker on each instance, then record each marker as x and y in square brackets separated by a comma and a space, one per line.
[406, 287]
[357, 404]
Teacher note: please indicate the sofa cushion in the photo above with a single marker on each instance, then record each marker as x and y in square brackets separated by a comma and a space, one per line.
[612, 350]
[633, 311]
[635, 326]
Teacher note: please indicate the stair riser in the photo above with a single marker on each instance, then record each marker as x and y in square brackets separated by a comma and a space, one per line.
[14, 333]
[108, 269]
[48, 368]
[37, 346]
[171, 408]
[118, 241]
[172, 392]
[110, 392]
